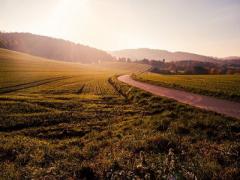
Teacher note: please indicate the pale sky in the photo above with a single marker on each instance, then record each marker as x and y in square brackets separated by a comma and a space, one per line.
[209, 27]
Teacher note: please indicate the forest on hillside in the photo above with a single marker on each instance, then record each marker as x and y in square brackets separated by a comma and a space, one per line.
[52, 48]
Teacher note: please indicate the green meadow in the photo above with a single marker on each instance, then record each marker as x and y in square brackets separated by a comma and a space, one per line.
[74, 121]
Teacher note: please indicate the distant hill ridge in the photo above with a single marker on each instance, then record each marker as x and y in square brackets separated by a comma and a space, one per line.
[156, 54]
[52, 48]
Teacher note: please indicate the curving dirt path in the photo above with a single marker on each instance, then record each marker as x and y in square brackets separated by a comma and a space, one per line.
[225, 107]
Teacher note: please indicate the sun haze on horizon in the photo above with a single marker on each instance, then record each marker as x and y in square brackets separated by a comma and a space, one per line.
[200, 26]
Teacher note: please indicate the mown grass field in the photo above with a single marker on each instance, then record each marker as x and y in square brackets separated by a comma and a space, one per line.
[73, 121]
[221, 86]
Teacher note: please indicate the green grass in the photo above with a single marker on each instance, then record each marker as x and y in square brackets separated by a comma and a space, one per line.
[19, 68]
[90, 125]
[222, 86]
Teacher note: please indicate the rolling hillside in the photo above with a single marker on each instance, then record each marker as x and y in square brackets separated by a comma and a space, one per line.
[139, 54]
[17, 68]
[52, 48]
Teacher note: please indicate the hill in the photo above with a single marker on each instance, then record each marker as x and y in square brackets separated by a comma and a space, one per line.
[52, 48]
[138, 54]
[20, 68]
[232, 58]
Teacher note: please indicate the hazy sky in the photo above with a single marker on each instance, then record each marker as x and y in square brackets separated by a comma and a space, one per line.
[210, 27]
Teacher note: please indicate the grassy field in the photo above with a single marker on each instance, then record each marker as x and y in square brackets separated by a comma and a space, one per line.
[222, 86]
[73, 121]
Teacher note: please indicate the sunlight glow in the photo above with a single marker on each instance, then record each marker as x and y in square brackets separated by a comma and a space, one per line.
[65, 13]
[203, 27]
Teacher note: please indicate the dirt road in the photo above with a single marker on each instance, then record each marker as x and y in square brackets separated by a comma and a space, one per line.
[225, 107]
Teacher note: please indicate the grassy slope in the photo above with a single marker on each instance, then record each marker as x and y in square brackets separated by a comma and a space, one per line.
[222, 86]
[17, 68]
[84, 126]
